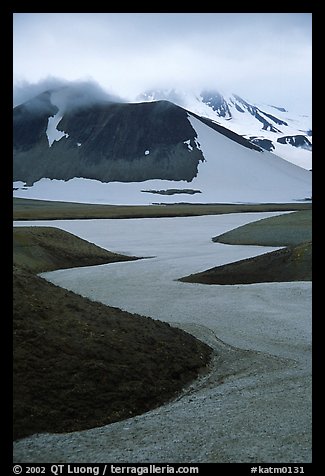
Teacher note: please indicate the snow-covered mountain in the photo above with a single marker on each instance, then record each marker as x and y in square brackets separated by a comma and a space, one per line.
[140, 153]
[286, 134]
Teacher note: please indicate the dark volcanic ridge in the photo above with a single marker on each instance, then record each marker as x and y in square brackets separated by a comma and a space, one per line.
[107, 141]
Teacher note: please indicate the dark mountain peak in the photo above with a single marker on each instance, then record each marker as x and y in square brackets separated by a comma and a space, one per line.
[107, 141]
[30, 121]
[40, 104]
[70, 96]
[171, 95]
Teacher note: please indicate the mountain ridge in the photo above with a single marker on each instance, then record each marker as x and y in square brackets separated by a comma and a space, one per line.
[264, 125]
[129, 151]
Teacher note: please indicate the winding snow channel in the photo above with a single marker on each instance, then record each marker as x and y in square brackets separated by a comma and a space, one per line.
[254, 405]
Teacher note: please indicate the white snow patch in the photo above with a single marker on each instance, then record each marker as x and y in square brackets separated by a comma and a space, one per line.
[296, 155]
[197, 143]
[18, 184]
[53, 134]
[187, 142]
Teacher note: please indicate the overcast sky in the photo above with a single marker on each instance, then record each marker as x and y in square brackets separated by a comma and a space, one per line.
[264, 57]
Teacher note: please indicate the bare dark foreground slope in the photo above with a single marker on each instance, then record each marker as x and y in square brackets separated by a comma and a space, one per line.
[80, 364]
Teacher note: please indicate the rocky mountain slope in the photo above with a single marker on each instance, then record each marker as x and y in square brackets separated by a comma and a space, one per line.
[286, 133]
[130, 153]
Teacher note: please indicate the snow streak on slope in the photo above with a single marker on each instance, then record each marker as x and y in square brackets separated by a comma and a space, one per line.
[230, 173]
[53, 134]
